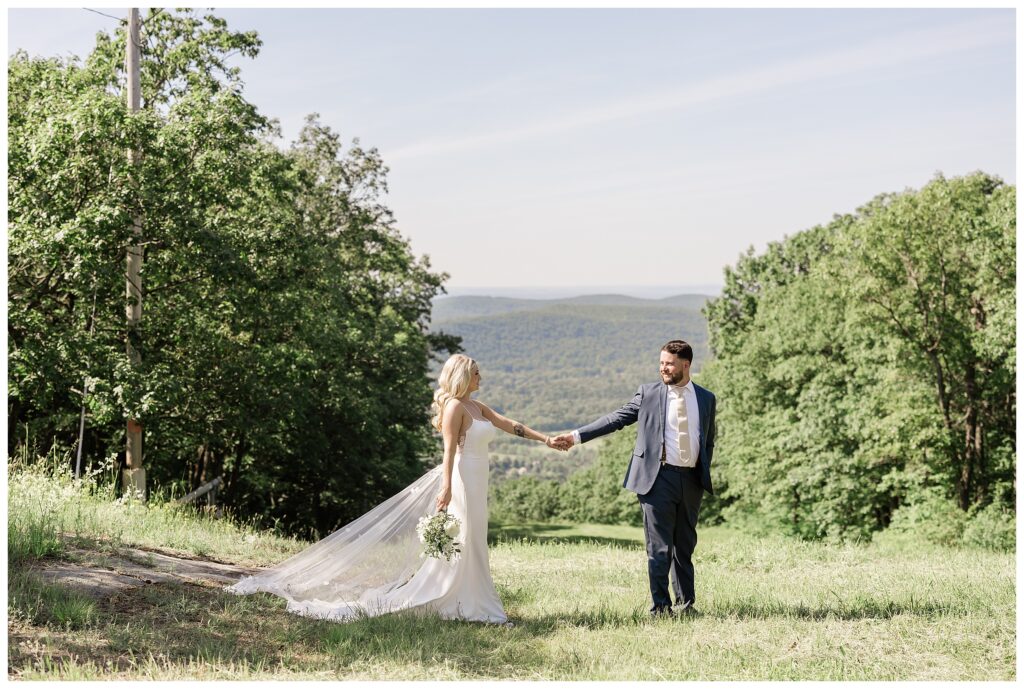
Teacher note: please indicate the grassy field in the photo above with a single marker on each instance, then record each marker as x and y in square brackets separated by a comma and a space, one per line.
[772, 608]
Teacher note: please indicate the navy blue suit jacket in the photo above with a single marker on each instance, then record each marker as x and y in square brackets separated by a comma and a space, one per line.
[649, 407]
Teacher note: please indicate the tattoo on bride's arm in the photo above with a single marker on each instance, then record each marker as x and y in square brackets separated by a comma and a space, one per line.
[519, 430]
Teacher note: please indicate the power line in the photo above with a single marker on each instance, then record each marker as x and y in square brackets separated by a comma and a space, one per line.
[103, 14]
[120, 20]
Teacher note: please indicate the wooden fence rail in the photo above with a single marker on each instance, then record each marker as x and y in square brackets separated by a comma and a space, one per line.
[210, 487]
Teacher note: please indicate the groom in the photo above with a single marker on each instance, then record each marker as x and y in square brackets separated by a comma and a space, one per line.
[669, 470]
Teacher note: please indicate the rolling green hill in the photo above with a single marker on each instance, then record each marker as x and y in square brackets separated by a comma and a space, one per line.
[558, 364]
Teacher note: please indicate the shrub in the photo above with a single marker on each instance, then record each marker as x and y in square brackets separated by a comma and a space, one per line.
[992, 527]
[595, 495]
[525, 499]
[931, 516]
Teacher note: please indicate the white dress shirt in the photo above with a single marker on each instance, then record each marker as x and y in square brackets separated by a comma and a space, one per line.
[672, 424]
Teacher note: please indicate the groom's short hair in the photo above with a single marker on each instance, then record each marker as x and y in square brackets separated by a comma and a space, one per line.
[680, 349]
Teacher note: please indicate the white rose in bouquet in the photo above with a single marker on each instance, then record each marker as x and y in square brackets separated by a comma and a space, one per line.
[437, 533]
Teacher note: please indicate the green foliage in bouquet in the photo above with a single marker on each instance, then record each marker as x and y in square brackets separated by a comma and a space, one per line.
[437, 534]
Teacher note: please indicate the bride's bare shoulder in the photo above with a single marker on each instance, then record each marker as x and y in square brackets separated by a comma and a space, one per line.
[456, 404]
[455, 409]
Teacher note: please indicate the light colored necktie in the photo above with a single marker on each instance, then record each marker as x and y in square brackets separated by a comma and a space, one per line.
[685, 454]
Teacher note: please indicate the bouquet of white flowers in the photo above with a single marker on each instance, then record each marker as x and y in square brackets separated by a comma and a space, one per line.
[437, 534]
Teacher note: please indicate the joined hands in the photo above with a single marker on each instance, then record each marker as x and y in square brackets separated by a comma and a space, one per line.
[560, 442]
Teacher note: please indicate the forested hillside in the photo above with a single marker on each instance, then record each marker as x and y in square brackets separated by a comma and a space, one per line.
[557, 364]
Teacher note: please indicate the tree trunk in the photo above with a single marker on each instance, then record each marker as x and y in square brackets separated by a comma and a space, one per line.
[940, 387]
[962, 457]
[196, 479]
[972, 439]
[796, 509]
[236, 470]
[982, 481]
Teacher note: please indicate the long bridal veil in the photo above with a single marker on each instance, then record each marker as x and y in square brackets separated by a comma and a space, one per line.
[359, 564]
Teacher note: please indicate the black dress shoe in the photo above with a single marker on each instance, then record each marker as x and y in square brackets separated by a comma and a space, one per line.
[662, 611]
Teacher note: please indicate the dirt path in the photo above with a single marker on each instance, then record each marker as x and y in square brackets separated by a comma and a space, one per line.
[101, 575]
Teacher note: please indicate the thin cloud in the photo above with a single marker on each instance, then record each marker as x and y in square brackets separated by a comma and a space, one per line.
[893, 50]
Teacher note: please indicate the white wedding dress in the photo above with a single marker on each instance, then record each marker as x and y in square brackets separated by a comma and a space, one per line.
[373, 565]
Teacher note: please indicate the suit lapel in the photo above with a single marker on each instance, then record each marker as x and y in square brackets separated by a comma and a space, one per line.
[662, 411]
[702, 410]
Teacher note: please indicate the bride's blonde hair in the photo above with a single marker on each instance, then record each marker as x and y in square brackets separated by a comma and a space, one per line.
[454, 380]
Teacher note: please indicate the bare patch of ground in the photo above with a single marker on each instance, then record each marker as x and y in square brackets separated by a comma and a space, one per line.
[101, 575]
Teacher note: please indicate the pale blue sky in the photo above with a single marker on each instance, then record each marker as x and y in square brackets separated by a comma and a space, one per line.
[636, 149]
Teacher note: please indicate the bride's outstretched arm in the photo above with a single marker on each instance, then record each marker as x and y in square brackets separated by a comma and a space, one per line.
[513, 427]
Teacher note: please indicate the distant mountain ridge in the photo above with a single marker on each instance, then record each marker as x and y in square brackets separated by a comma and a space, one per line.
[456, 308]
[564, 292]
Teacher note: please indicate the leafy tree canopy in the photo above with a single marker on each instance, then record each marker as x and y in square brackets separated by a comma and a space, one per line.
[284, 335]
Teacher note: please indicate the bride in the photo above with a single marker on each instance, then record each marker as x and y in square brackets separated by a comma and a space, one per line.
[374, 564]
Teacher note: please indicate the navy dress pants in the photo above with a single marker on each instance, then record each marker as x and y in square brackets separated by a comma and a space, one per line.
[670, 510]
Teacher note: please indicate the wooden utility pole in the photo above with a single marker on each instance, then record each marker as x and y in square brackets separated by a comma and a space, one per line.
[133, 479]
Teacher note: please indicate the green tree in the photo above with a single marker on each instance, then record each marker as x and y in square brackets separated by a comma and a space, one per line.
[935, 269]
[833, 346]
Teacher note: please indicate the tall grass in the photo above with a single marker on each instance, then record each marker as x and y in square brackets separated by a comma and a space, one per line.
[48, 510]
[771, 608]
[45, 605]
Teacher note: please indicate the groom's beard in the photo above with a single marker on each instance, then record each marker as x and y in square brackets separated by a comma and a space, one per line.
[671, 380]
